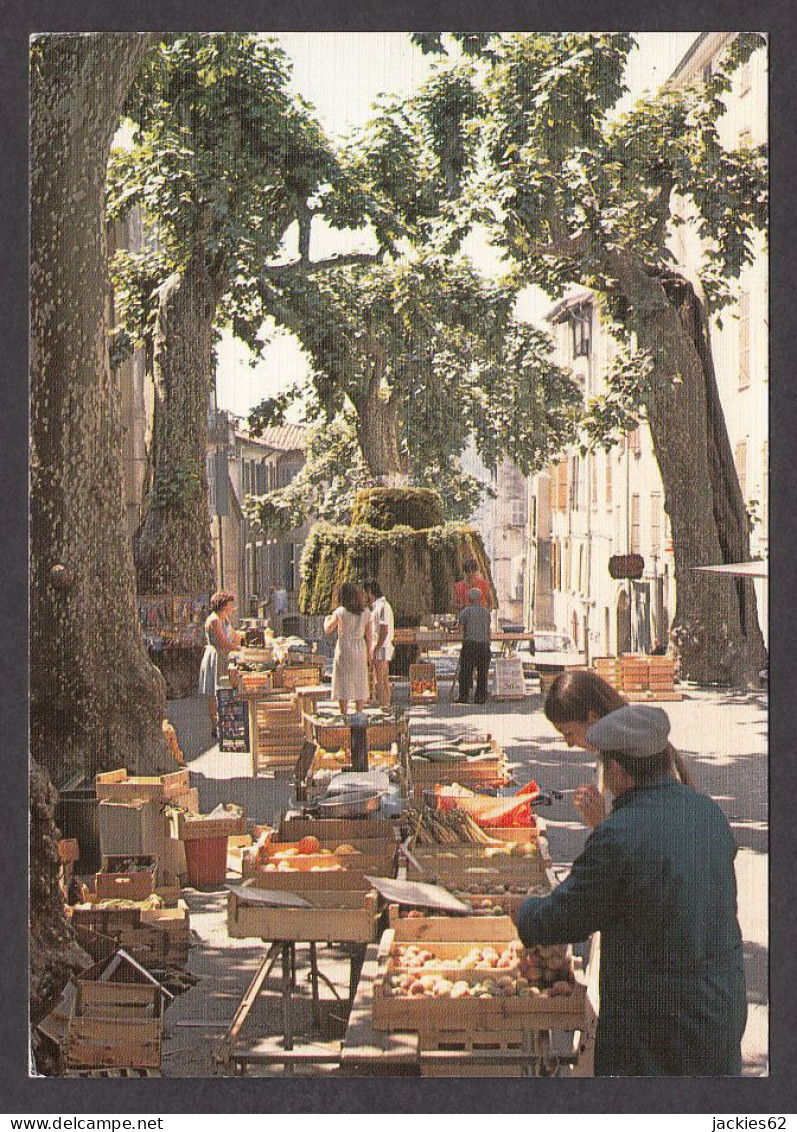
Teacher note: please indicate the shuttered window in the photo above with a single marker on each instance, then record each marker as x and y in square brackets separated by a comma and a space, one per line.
[655, 522]
[608, 479]
[744, 340]
[635, 524]
[740, 459]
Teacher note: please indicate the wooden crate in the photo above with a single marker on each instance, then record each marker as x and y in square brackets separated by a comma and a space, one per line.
[462, 872]
[422, 675]
[301, 882]
[111, 882]
[190, 827]
[309, 696]
[119, 786]
[115, 1025]
[253, 682]
[377, 856]
[336, 737]
[428, 1016]
[293, 827]
[339, 916]
[436, 929]
[295, 676]
[154, 936]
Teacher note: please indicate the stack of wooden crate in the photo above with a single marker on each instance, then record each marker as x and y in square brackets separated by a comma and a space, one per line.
[276, 733]
[639, 677]
[661, 678]
[634, 672]
[131, 819]
[116, 1019]
[157, 937]
[608, 668]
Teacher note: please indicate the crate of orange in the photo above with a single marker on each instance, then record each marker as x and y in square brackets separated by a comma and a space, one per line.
[423, 684]
[310, 855]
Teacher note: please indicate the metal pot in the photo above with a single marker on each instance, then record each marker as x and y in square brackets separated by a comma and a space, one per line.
[355, 805]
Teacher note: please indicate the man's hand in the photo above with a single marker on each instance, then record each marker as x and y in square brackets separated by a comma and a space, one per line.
[589, 802]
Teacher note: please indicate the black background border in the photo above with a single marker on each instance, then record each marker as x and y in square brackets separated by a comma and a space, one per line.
[21, 1094]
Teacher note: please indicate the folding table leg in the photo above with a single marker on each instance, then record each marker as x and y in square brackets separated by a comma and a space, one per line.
[287, 1016]
[314, 985]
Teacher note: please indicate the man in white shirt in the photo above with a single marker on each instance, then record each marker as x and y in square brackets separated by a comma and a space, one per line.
[382, 637]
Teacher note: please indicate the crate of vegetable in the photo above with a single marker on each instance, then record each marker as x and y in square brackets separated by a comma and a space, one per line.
[471, 763]
[311, 855]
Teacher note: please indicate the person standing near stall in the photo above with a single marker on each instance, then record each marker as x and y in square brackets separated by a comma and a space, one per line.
[472, 580]
[352, 622]
[220, 640]
[656, 879]
[382, 630]
[475, 622]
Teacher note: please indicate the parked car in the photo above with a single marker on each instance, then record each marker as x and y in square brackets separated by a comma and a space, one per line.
[547, 652]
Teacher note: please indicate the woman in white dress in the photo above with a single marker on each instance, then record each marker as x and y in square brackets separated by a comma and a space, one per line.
[352, 621]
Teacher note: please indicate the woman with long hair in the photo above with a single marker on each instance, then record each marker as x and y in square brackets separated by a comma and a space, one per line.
[352, 621]
[574, 702]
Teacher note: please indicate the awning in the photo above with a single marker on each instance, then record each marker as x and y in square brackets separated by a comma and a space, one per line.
[739, 569]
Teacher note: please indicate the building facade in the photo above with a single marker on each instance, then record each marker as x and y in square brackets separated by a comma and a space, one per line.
[586, 508]
[248, 562]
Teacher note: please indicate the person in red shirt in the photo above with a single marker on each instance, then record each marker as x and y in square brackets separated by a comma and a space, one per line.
[473, 581]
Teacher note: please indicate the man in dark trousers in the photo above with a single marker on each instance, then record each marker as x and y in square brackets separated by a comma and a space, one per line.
[656, 880]
[475, 622]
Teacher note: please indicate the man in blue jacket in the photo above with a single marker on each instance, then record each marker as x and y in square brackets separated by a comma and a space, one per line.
[656, 880]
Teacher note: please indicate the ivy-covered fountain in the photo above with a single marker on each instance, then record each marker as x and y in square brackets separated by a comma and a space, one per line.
[398, 536]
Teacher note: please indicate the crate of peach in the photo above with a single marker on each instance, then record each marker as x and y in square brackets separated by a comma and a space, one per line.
[489, 903]
[476, 986]
[423, 684]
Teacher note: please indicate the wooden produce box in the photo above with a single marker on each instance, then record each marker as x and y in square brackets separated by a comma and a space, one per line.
[309, 696]
[491, 770]
[335, 737]
[114, 1024]
[423, 684]
[298, 675]
[275, 731]
[156, 937]
[353, 830]
[438, 929]
[463, 870]
[430, 1016]
[250, 683]
[195, 827]
[374, 855]
[338, 916]
[119, 786]
[137, 883]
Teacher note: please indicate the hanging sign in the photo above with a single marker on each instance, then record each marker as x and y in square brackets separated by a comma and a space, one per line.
[626, 565]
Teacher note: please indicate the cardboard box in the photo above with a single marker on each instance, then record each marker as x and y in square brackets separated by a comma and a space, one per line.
[130, 829]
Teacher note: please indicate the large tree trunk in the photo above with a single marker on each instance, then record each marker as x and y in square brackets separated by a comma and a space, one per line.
[378, 431]
[715, 624]
[173, 549]
[96, 701]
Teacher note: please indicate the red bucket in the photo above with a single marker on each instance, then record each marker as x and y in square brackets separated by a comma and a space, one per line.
[206, 860]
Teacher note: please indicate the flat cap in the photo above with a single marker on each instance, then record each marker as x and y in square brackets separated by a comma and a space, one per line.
[475, 594]
[637, 730]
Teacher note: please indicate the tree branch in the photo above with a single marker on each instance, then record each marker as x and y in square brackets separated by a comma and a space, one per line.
[307, 267]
